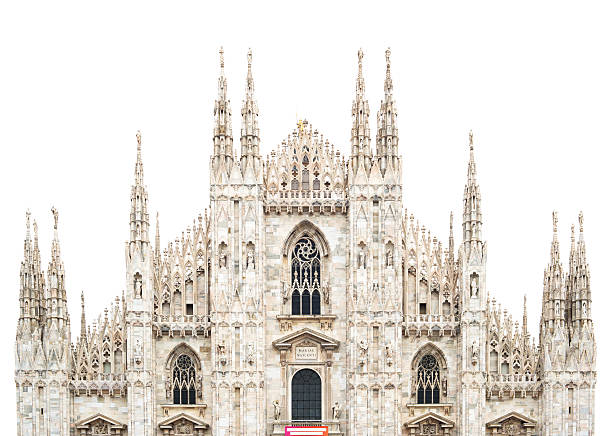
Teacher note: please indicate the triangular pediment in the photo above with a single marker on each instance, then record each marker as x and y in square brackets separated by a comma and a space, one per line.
[168, 423]
[525, 421]
[306, 334]
[431, 417]
[86, 423]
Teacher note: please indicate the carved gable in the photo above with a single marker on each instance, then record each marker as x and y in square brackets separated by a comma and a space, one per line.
[100, 425]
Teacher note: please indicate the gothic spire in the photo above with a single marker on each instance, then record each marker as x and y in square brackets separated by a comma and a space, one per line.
[249, 133]
[223, 153]
[157, 240]
[472, 215]
[32, 281]
[583, 280]
[360, 133]
[451, 239]
[387, 136]
[139, 217]
[56, 306]
[554, 296]
[83, 323]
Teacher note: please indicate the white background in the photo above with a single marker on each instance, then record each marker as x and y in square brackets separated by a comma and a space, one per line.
[532, 79]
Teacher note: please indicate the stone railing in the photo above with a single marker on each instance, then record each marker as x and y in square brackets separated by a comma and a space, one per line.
[509, 385]
[181, 325]
[430, 325]
[305, 202]
[333, 427]
[99, 384]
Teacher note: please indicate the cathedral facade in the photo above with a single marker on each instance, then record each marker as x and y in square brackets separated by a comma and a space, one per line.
[305, 296]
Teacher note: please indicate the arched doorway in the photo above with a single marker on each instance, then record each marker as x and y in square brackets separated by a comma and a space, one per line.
[306, 396]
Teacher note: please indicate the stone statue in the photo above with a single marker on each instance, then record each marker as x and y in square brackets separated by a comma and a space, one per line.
[325, 289]
[222, 258]
[138, 287]
[284, 291]
[361, 259]
[251, 353]
[474, 286]
[221, 350]
[363, 348]
[389, 258]
[138, 351]
[277, 410]
[389, 353]
[336, 410]
[250, 258]
[475, 353]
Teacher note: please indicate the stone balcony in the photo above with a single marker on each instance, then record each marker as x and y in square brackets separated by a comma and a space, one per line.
[307, 202]
[181, 325]
[430, 325]
[334, 427]
[509, 385]
[100, 385]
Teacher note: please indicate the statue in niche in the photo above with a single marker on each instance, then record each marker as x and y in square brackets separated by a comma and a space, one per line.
[475, 353]
[325, 290]
[389, 257]
[250, 258]
[474, 286]
[336, 410]
[277, 410]
[200, 263]
[557, 309]
[361, 258]
[222, 257]
[168, 386]
[389, 353]
[138, 351]
[138, 286]
[363, 350]
[221, 350]
[251, 354]
[584, 309]
[188, 272]
[199, 385]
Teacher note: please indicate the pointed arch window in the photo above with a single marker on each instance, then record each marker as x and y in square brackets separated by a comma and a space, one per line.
[305, 278]
[428, 380]
[184, 380]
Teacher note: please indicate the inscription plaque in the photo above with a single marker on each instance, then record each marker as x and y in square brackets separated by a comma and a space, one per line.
[306, 353]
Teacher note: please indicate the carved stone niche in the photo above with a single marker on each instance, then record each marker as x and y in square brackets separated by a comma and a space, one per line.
[99, 425]
[511, 424]
[429, 424]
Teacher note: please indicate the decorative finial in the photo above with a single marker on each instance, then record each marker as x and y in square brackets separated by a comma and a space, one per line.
[55, 217]
[222, 60]
[28, 213]
[388, 57]
[250, 57]
[573, 235]
[139, 138]
[82, 299]
[451, 220]
[360, 60]
[581, 221]
[471, 135]
[555, 221]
